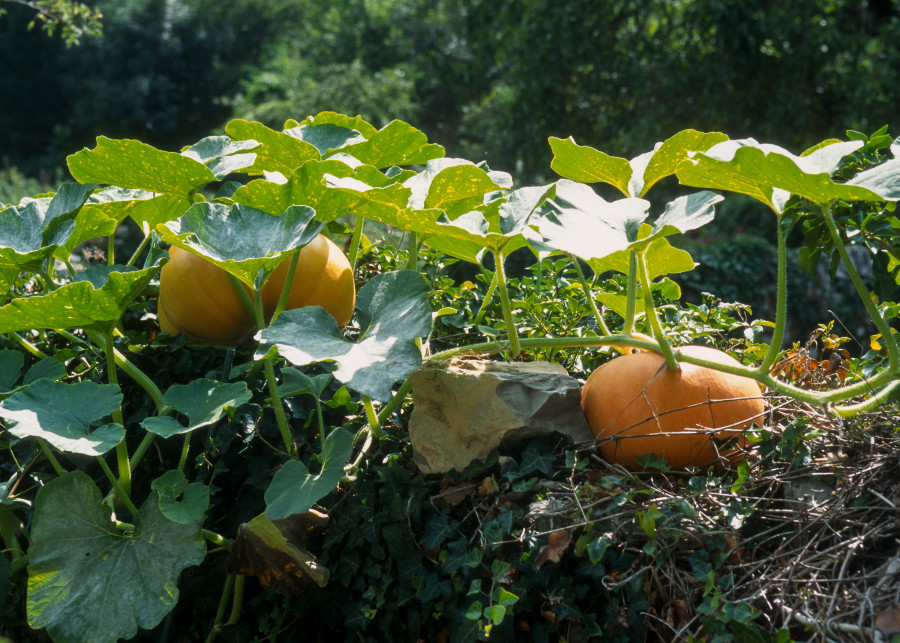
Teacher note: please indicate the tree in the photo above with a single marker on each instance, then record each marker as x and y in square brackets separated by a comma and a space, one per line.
[76, 18]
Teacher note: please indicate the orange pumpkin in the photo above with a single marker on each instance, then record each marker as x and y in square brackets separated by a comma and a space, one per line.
[636, 405]
[196, 296]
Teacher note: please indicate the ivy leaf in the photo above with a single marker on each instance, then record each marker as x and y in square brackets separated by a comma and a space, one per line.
[276, 152]
[63, 414]
[132, 164]
[393, 311]
[193, 505]
[203, 401]
[98, 298]
[587, 165]
[88, 582]
[244, 241]
[294, 490]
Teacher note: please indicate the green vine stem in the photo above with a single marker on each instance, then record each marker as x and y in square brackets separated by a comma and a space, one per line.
[412, 261]
[650, 310]
[141, 247]
[286, 289]
[631, 293]
[117, 486]
[111, 250]
[51, 457]
[780, 303]
[185, 450]
[514, 346]
[371, 416]
[355, 242]
[601, 324]
[216, 539]
[862, 291]
[28, 346]
[136, 374]
[121, 448]
[278, 406]
[492, 286]
[255, 308]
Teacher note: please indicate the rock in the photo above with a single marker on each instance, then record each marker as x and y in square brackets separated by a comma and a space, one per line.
[463, 409]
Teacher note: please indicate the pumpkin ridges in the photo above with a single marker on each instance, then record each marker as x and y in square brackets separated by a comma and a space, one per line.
[197, 297]
[632, 397]
[206, 308]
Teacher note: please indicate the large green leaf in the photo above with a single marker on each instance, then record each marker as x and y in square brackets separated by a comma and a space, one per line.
[11, 364]
[770, 173]
[882, 179]
[294, 490]
[662, 258]
[455, 186]
[244, 241]
[222, 155]
[332, 188]
[587, 165]
[276, 152]
[397, 143]
[665, 159]
[63, 414]
[203, 401]
[33, 230]
[393, 311]
[132, 164]
[579, 221]
[90, 582]
[98, 298]
[110, 206]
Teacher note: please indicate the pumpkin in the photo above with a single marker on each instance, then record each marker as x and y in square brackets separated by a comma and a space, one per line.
[635, 405]
[196, 297]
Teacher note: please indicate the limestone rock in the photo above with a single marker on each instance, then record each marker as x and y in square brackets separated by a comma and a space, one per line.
[463, 409]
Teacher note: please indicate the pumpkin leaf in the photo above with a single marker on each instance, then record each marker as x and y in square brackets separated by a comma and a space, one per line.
[276, 151]
[332, 188]
[273, 551]
[132, 164]
[244, 241]
[393, 310]
[33, 230]
[587, 165]
[97, 298]
[63, 414]
[90, 582]
[294, 490]
[222, 155]
[202, 400]
[397, 143]
[296, 382]
[577, 220]
[194, 498]
[665, 159]
[770, 174]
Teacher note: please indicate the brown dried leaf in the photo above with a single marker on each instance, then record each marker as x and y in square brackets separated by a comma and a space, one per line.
[888, 621]
[556, 546]
[273, 552]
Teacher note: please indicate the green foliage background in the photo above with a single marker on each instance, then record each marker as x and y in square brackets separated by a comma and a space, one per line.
[490, 79]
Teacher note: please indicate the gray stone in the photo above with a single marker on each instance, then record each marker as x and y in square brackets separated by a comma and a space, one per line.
[465, 408]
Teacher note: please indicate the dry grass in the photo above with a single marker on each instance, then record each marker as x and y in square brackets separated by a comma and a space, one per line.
[815, 549]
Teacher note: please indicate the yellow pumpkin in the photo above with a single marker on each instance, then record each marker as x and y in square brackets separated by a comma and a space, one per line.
[196, 297]
[636, 405]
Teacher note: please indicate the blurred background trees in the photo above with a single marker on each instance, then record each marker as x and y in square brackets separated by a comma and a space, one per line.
[488, 79]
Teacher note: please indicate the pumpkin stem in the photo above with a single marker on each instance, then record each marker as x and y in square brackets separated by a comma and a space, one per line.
[601, 324]
[656, 327]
